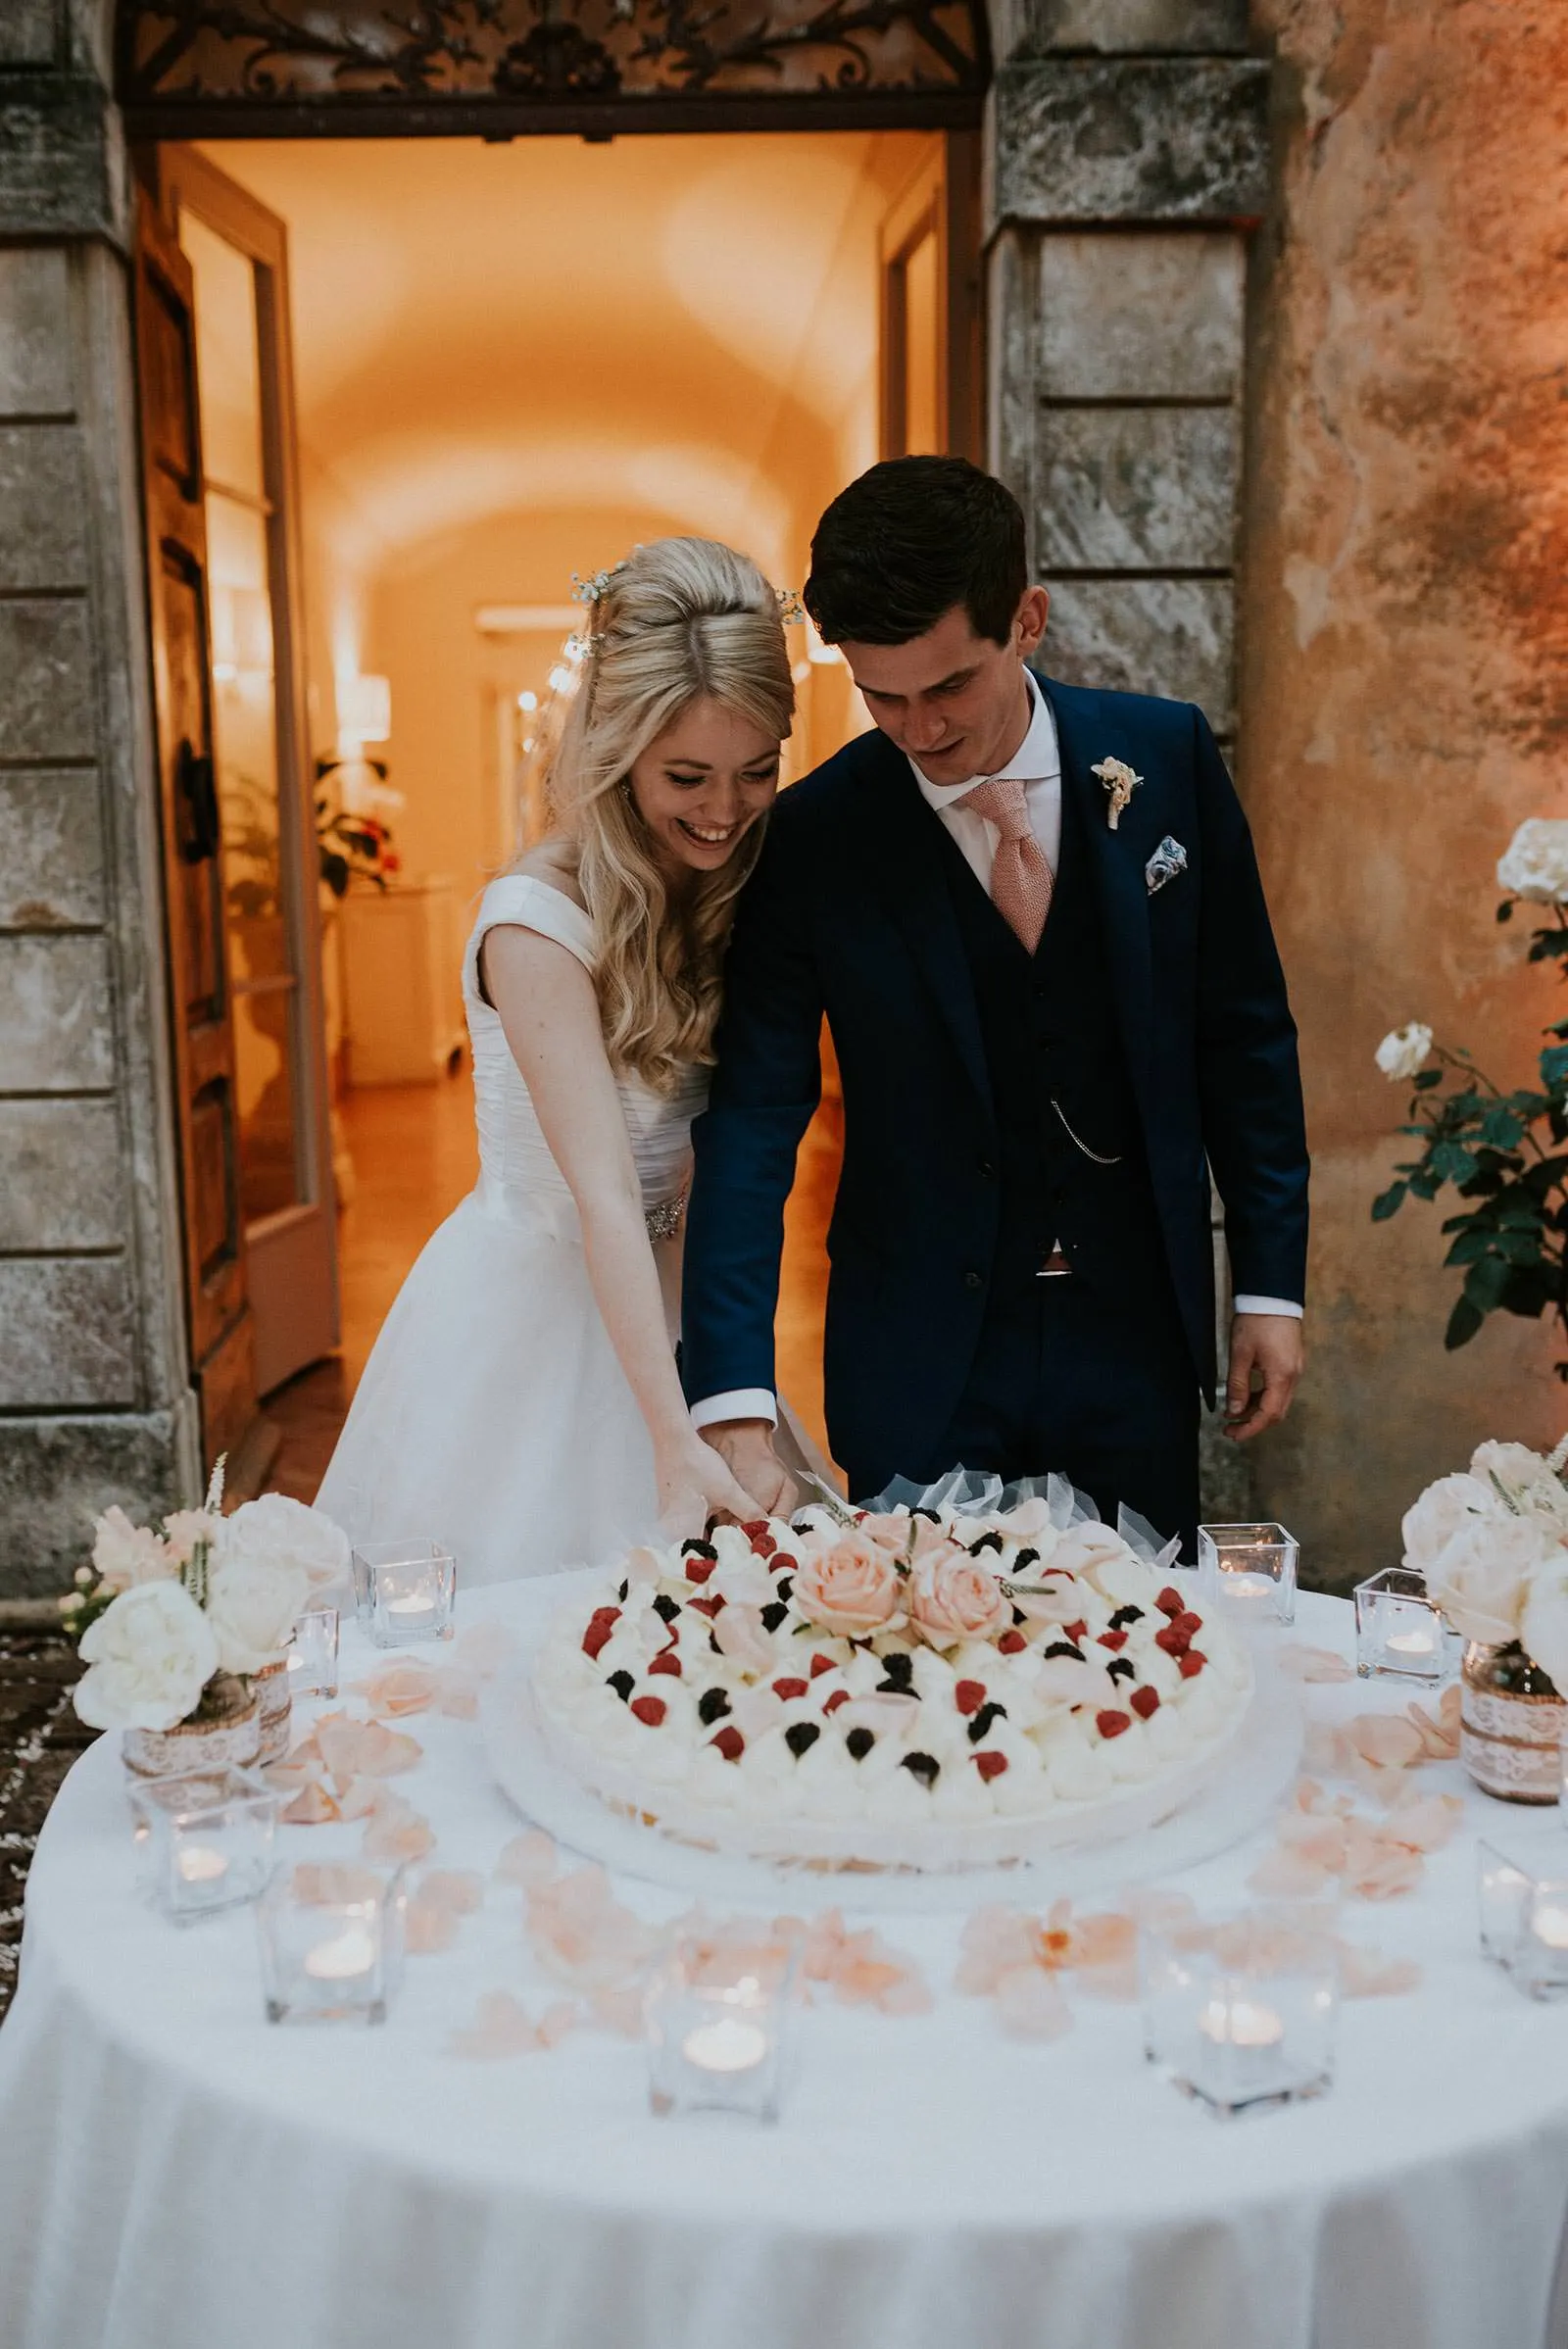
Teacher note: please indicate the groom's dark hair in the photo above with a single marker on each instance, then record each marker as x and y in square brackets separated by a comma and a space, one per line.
[906, 542]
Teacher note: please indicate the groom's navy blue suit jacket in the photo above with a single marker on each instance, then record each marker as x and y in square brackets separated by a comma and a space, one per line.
[851, 913]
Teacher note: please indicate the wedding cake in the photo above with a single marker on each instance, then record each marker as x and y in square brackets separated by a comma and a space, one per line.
[914, 1689]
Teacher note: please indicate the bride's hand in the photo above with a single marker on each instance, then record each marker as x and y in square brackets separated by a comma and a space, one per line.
[695, 1486]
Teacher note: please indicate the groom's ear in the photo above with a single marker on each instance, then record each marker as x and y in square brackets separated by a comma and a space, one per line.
[1029, 620]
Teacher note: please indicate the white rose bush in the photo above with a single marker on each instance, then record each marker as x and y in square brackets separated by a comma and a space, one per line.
[167, 1621]
[1505, 1154]
[1493, 1545]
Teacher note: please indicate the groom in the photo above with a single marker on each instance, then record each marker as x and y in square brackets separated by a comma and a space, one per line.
[1032, 916]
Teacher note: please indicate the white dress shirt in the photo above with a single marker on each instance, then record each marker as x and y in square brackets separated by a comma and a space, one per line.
[1037, 764]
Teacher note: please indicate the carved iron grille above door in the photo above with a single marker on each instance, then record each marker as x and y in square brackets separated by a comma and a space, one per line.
[203, 68]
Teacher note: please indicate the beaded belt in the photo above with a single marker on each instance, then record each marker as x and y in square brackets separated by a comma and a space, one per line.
[665, 1221]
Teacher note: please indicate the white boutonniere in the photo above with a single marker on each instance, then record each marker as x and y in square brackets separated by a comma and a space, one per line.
[1120, 783]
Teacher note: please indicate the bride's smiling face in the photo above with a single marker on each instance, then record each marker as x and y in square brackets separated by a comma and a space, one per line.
[702, 785]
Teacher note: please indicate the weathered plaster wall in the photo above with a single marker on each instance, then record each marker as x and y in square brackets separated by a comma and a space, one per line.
[1403, 667]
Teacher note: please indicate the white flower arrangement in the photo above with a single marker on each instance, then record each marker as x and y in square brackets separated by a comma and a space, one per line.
[160, 1616]
[1535, 863]
[1493, 1545]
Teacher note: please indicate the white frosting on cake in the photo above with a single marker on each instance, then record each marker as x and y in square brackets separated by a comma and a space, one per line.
[1019, 1675]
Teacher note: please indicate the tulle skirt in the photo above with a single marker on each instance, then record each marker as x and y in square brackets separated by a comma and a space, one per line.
[493, 1414]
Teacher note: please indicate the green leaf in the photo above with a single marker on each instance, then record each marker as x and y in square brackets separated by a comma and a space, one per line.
[1451, 1163]
[1501, 1126]
[1554, 1065]
[1464, 1323]
[1389, 1202]
[1469, 1248]
[1425, 1185]
[1427, 1078]
[1485, 1283]
[1505, 910]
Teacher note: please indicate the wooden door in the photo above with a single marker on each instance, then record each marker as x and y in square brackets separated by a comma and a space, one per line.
[221, 1333]
[237, 251]
[930, 276]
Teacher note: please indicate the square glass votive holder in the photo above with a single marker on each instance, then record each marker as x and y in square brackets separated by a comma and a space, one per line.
[332, 1942]
[205, 1841]
[405, 1591]
[1241, 2014]
[1249, 1571]
[715, 2023]
[1523, 1923]
[312, 1653]
[1399, 1633]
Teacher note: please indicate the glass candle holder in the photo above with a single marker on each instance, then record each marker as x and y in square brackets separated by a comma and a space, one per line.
[715, 2023]
[1249, 1571]
[1241, 2015]
[206, 1842]
[332, 1942]
[1399, 1632]
[312, 1653]
[1523, 1923]
[405, 1591]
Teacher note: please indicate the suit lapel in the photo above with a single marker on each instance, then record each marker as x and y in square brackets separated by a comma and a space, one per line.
[1117, 867]
[904, 859]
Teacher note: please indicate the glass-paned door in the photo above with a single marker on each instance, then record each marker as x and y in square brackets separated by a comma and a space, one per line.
[237, 255]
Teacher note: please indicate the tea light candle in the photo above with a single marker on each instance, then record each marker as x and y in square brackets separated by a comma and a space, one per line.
[1241, 1585]
[343, 1959]
[1550, 1925]
[726, 2045]
[415, 1605]
[1239, 2022]
[199, 1864]
[1410, 1643]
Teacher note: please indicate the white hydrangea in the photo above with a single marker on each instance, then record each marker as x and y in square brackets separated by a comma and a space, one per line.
[1403, 1050]
[1535, 863]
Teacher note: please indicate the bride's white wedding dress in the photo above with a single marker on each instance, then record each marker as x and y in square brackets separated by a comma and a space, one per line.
[493, 1414]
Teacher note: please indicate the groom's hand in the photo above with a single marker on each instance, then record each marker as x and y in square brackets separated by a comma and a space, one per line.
[745, 1446]
[1266, 1356]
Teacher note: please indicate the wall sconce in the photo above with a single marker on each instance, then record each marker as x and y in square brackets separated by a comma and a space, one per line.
[364, 711]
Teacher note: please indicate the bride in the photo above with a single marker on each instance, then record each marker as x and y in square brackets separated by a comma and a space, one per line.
[522, 1404]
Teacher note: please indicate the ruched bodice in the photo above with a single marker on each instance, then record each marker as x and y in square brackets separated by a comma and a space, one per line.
[519, 1178]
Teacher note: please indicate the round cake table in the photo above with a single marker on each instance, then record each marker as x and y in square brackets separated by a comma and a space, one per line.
[175, 2174]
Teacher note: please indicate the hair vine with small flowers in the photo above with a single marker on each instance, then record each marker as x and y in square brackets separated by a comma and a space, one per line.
[594, 591]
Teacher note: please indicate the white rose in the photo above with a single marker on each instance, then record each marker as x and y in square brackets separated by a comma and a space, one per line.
[1443, 1508]
[1529, 1482]
[277, 1529]
[151, 1654]
[251, 1604]
[1403, 1050]
[1481, 1577]
[1535, 863]
[126, 1554]
[1543, 1627]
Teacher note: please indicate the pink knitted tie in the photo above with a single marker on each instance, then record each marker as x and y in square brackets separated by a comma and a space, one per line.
[1020, 878]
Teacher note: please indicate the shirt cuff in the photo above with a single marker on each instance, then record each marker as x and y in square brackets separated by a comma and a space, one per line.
[1257, 1304]
[745, 1402]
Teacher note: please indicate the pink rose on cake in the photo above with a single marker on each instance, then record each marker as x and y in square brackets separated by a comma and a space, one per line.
[853, 1587]
[951, 1598]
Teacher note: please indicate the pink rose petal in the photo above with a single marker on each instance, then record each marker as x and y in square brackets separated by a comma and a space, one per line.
[530, 1858]
[398, 1689]
[1386, 1740]
[1300, 1663]
[500, 2026]
[1368, 1974]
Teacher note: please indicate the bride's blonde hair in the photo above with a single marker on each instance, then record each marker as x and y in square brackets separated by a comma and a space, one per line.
[680, 620]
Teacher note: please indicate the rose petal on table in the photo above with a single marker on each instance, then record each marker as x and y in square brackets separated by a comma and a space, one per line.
[1439, 1734]
[329, 1883]
[1151, 1906]
[428, 1929]
[1324, 1751]
[557, 2021]
[1424, 1822]
[398, 1689]
[458, 1698]
[311, 1806]
[1284, 1875]
[619, 2011]
[992, 1941]
[1368, 1974]
[396, 1832]
[359, 1797]
[1298, 1662]
[1382, 1870]
[1107, 1939]
[584, 1936]
[1030, 2005]
[460, 1890]
[1388, 1741]
[500, 2026]
[530, 1858]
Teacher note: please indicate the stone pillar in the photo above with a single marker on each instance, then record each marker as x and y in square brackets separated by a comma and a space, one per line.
[94, 1401]
[1404, 693]
[1128, 148]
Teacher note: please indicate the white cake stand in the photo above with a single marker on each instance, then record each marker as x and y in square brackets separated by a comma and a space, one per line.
[1136, 1842]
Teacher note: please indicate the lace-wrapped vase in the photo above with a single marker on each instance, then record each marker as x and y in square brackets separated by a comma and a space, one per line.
[1512, 1722]
[225, 1733]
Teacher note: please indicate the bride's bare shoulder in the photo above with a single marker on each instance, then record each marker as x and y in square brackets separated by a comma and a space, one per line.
[555, 862]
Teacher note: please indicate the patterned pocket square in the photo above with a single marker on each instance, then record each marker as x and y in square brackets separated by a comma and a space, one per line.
[1168, 859]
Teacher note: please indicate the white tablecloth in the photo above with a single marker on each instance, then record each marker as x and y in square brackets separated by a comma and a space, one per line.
[176, 2175]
